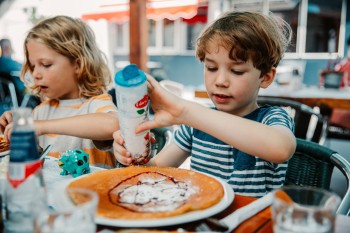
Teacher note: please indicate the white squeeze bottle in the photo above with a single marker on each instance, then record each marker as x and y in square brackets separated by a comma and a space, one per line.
[132, 103]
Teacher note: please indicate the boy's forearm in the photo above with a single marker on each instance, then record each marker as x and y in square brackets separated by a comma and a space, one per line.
[96, 126]
[273, 144]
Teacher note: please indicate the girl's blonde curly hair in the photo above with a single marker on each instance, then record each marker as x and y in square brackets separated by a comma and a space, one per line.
[75, 40]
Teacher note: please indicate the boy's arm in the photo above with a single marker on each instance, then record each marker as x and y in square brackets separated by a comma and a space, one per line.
[272, 143]
[94, 126]
[170, 156]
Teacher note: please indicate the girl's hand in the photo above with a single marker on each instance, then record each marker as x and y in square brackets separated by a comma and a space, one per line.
[6, 125]
[121, 154]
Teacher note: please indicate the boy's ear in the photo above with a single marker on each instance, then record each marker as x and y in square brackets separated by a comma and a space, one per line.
[268, 78]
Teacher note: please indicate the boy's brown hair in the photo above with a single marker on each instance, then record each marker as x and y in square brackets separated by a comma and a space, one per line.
[248, 35]
[75, 40]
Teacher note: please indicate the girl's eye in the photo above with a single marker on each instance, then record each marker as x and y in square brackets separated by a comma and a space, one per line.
[46, 65]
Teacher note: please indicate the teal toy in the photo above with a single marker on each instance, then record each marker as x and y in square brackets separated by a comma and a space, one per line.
[75, 162]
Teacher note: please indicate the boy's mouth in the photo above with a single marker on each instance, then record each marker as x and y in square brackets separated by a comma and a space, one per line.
[221, 97]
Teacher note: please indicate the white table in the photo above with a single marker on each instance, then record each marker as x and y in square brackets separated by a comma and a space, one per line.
[52, 175]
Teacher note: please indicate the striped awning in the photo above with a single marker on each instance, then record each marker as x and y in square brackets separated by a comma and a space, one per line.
[118, 10]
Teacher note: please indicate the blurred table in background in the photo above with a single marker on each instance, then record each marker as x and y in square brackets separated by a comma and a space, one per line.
[312, 96]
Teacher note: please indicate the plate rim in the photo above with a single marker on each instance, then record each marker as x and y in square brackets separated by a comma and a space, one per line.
[4, 153]
[187, 217]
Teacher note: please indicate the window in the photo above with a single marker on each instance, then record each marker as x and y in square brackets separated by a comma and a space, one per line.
[161, 36]
[121, 33]
[290, 15]
[151, 33]
[323, 25]
[316, 24]
[193, 31]
[168, 33]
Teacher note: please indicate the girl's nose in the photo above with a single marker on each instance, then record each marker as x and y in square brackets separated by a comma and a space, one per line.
[36, 74]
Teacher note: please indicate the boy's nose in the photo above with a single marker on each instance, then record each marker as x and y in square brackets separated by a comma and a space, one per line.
[221, 79]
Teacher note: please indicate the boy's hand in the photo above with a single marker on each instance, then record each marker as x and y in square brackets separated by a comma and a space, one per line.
[6, 125]
[121, 154]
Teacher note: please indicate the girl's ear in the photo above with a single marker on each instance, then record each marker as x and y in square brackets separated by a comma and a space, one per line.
[77, 66]
[268, 78]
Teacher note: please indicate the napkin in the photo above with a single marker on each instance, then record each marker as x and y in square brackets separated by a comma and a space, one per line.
[242, 214]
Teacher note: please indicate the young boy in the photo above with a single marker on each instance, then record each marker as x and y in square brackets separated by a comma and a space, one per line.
[246, 145]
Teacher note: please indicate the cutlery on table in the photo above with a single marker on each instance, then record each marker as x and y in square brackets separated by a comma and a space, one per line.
[44, 153]
[231, 221]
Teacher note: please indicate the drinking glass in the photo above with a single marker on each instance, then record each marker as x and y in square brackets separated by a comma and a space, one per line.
[298, 209]
[67, 216]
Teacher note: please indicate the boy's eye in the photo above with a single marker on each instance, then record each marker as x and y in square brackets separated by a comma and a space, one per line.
[211, 69]
[237, 72]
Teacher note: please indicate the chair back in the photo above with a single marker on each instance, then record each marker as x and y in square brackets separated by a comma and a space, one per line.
[312, 165]
[8, 95]
[309, 124]
[163, 138]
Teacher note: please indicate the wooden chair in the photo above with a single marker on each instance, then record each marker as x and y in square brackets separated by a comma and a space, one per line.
[312, 165]
[309, 124]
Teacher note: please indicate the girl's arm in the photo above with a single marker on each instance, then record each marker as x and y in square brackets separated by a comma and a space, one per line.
[94, 126]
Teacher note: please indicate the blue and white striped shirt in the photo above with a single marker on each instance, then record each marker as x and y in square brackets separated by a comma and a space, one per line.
[247, 175]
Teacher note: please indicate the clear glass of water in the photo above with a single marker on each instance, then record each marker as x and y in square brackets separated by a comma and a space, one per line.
[297, 209]
[69, 215]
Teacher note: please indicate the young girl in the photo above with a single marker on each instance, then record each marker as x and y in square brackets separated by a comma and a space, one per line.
[244, 144]
[70, 74]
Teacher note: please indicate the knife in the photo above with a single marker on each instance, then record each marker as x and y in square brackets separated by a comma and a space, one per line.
[231, 221]
[242, 214]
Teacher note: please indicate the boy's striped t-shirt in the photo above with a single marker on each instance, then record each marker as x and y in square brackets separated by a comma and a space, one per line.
[247, 175]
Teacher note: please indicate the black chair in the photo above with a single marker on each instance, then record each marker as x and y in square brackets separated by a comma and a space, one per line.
[8, 95]
[338, 132]
[163, 138]
[334, 131]
[312, 165]
[309, 124]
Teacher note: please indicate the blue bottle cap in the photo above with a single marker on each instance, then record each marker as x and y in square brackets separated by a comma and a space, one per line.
[130, 76]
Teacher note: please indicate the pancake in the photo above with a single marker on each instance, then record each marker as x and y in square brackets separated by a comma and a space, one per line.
[4, 146]
[143, 192]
